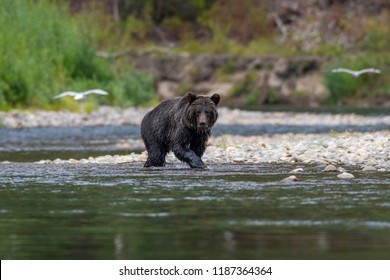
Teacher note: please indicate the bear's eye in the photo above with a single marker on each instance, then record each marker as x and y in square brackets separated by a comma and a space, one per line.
[198, 113]
[207, 112]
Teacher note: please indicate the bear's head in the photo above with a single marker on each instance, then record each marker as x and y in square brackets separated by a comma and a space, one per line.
[202, 111]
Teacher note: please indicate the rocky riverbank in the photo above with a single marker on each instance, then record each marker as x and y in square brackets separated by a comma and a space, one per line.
[370, 150]
[358, 150]
[133, 116]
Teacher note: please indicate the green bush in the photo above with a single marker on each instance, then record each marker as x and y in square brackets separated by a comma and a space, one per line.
[132, 89]
[43, 51]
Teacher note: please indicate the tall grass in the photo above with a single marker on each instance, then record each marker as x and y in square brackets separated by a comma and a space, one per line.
[44, 51]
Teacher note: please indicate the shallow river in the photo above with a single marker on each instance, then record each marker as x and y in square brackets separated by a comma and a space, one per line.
[95, 211]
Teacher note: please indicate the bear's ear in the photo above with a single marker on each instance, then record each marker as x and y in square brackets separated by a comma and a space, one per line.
[215, 98]
[190, 97]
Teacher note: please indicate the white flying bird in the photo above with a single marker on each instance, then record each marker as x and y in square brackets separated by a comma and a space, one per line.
[357, 73]
[81, 95]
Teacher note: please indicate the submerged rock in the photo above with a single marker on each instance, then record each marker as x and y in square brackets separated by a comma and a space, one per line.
[291, 178]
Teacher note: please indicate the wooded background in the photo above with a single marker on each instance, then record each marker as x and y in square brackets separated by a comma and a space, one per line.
[52, 46]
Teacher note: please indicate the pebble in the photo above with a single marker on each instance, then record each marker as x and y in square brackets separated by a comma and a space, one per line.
[120, 160]
[239, 159]
[345, 175]
[297, 170]
[369, 168]
[57, 161]
[330, 168]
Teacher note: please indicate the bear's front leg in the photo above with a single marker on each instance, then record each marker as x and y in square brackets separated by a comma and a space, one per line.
[198, 144]
[188, 156]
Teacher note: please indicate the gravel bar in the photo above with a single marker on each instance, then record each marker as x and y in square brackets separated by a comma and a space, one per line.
[369, 150]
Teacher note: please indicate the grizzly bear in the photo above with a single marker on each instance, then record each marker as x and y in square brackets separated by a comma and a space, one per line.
[181, 125]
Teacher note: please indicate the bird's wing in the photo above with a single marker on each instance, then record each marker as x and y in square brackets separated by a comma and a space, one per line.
[369, 70]
[96, 91]
[344, 70]
[65, 93]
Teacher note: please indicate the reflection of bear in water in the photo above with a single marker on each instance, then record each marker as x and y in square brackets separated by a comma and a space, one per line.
[181, 125]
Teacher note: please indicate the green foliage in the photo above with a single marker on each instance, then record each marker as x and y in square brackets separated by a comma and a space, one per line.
[341, 85]
[132, 89]
[251, 95]
[222, 141]
[266, 46]
[246, 86]
[327, 50]
[112, 35]
[43, 51]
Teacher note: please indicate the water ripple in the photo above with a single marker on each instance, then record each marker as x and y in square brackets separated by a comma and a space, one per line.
[147, 215]
[312, 223]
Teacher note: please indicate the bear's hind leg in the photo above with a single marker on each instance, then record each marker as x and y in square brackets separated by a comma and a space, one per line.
[156, 157]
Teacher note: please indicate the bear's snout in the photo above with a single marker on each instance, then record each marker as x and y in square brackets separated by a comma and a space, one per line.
[202, 121]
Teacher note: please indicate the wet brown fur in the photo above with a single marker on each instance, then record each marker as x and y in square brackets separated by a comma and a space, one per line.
[181, 125]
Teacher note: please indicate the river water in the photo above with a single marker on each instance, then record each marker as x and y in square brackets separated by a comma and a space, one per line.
[229, 211]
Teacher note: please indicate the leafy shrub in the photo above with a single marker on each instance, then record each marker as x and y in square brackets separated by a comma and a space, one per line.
[44, 51]
[132, 89]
